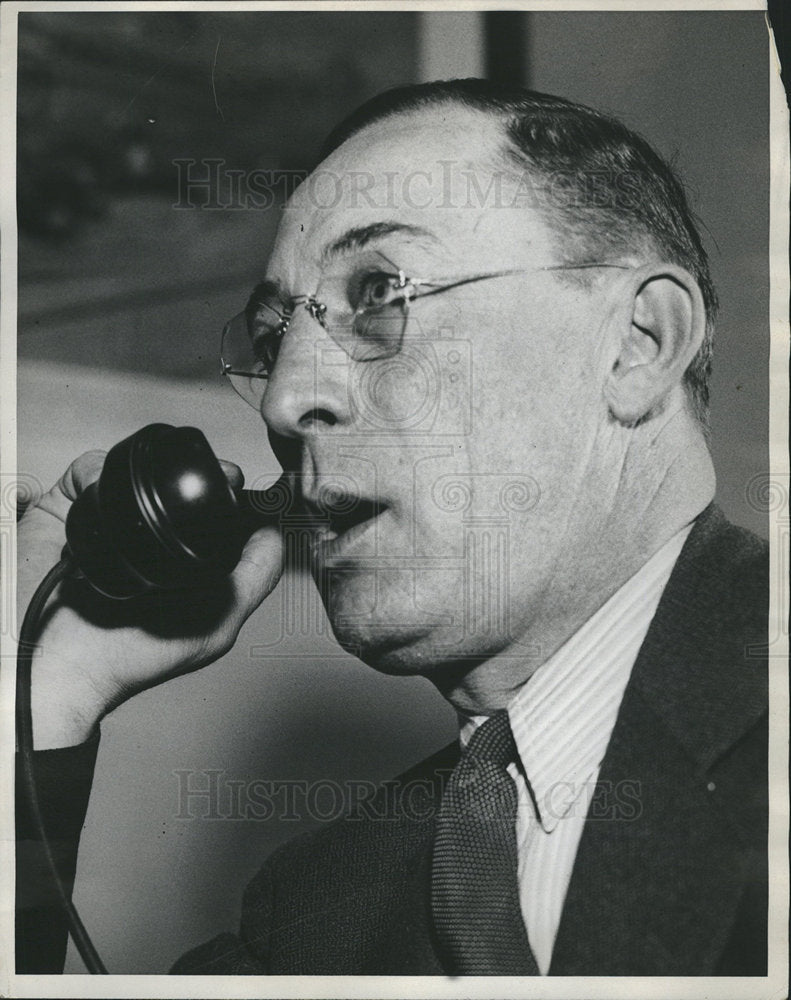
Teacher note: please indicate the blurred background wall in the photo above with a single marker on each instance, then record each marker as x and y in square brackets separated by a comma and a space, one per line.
[121, 298]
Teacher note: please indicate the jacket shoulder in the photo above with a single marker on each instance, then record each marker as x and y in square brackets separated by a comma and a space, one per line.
[703, 665]
[731, 561]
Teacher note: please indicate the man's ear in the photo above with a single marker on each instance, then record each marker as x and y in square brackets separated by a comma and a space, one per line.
[657, 342]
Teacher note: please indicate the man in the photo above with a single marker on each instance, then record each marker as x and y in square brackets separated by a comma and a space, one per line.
[486, 331]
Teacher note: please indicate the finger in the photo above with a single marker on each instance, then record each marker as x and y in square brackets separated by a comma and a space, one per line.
[80, 474]
[233, 474]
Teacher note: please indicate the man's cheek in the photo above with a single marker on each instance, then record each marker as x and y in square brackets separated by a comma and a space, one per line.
[387, 394]
[476, 524]
[425, 391]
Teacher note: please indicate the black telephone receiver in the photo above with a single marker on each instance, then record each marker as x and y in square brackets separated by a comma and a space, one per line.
[163, 515]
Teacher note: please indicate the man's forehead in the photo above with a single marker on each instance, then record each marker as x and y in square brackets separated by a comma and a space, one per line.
[428, 176]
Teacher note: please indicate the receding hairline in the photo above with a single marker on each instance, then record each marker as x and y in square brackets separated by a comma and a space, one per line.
[503, 156]
[491, 120]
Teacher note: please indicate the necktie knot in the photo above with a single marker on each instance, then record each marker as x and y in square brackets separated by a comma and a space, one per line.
[493, 741]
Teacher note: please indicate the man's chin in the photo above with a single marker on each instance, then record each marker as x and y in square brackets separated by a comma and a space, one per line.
[399, 651]
[401, 630]
[412, 651]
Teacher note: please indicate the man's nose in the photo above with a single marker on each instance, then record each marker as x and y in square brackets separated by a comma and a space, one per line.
[307, 391]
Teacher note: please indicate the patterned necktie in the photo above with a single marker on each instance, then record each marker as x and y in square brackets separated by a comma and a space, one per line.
[474, 887]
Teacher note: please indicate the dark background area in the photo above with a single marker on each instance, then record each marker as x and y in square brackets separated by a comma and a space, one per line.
[107, 103]
[122, 297]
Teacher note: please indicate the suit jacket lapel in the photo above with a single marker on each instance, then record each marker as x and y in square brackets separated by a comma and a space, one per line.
[647, 894]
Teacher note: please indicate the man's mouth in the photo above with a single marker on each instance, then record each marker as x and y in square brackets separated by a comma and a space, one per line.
[339, 519]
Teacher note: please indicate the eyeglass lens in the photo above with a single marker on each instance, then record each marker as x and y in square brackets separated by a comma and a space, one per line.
[251, 340]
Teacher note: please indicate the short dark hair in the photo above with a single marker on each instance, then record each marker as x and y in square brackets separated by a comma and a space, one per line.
[639, 199]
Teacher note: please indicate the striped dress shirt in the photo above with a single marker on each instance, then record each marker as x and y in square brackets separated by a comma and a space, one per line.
[562, 720]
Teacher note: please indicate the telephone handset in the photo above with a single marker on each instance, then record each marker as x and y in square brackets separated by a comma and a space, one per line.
[162, 515]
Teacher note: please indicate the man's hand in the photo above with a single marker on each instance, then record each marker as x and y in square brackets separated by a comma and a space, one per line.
[93, 652]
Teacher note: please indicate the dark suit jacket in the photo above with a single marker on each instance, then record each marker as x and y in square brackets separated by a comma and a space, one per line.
[670, 877]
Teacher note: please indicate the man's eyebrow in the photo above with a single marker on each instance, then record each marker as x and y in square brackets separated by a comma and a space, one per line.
[356, 239]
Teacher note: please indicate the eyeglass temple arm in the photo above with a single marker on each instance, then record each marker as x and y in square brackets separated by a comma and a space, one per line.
[432, 289]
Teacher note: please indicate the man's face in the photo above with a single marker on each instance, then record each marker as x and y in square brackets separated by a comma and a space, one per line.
[470, 465]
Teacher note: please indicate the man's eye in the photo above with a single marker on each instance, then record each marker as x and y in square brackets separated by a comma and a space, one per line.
[375, 290]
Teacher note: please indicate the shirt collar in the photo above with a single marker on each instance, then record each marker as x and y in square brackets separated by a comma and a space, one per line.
[563, 717]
